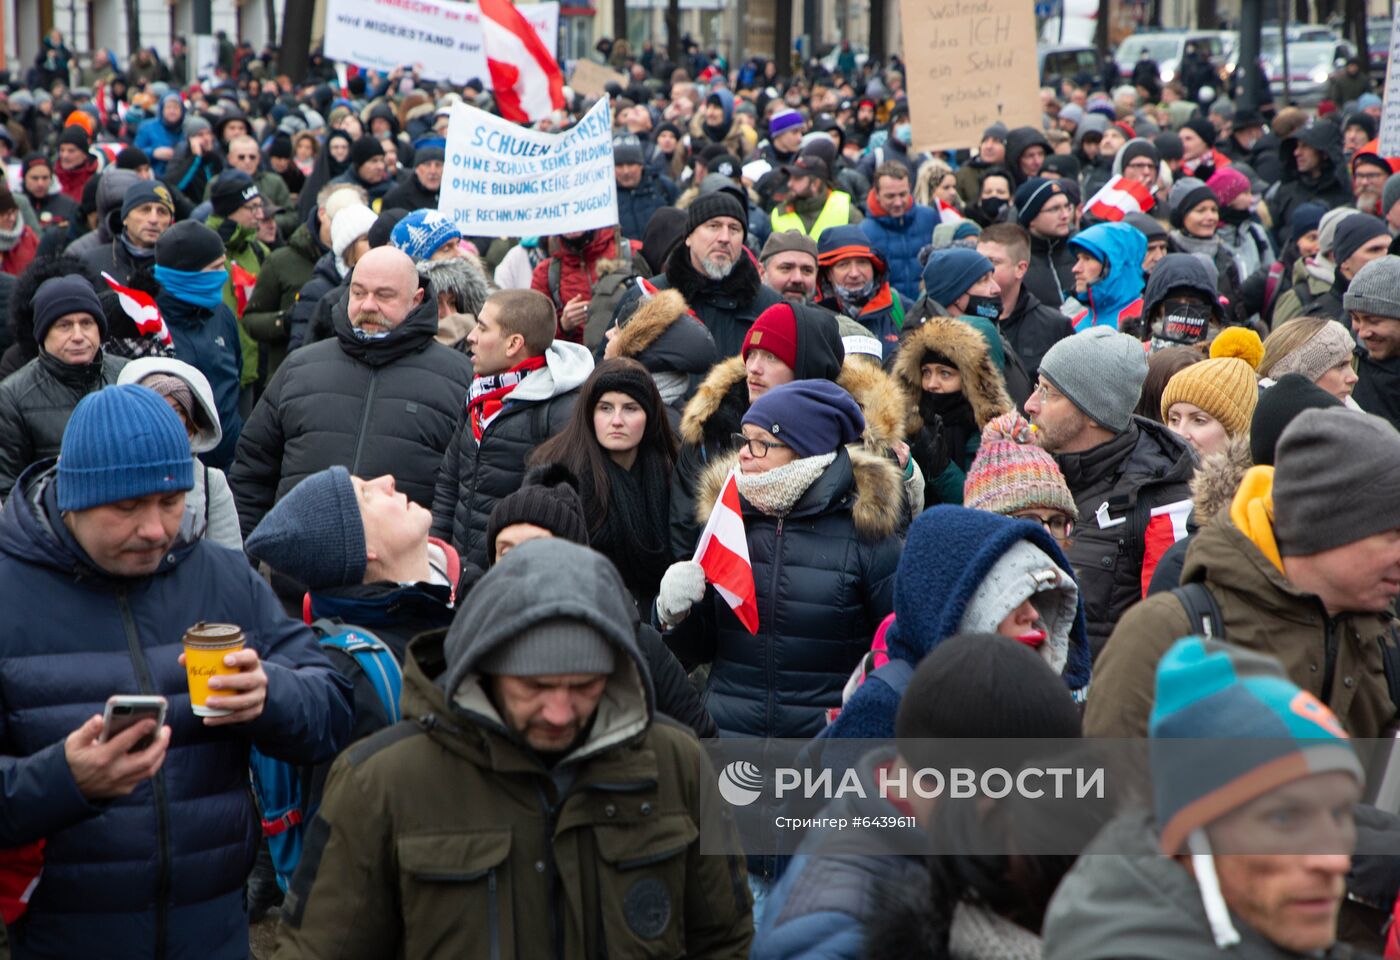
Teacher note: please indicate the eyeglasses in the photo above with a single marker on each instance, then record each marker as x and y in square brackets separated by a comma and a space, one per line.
[1044, 393]
[758, 449]
[1058, 526]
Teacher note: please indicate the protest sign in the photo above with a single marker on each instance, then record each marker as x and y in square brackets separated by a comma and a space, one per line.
[975, 65]
[590, 79]
[504, 180]
[444, 37]
[1390, 113]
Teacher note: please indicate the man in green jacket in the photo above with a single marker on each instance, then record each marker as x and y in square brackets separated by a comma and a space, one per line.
[533, 807]
[243, 154]
[237, 209]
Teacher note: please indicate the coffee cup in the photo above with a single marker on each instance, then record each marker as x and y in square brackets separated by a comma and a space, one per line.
[206, 645]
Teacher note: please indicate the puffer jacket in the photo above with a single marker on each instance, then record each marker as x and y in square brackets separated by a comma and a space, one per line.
[1050, 275]
[1122, 898]
[899, 240]
[159, 872]
[268, 317]
[1115, 299]
[35, 404]
[325, 277]
[1337, 659]
[208, 340]
[1143, 467]
[616, 826]
[825, 579]
[474, 474]
[376, 407]
[635, 206]
[1328, 186]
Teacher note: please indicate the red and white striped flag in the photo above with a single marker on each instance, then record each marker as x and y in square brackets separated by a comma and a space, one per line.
[525, 78]
[723, 552]
[142, 310]
[1118, 198]
[243, 284]
[1165, 526]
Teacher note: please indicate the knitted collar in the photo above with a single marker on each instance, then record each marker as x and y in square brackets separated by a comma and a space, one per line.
[777, 491]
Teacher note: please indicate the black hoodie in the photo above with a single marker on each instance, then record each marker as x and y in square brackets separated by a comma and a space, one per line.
[1018, 141]
[1328, 186]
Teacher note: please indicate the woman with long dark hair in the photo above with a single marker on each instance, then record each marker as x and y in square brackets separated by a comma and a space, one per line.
[620, 446]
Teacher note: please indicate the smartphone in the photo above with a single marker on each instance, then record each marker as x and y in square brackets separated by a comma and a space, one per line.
[126, 710]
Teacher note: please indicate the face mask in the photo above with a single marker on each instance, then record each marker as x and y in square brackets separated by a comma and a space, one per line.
[855, 294]
[993, 206]
[1185, 321]
[203, 288]
[988, 308]
[904, 133]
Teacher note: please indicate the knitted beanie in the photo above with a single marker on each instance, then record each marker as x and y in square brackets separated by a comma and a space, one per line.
[775, 330]
[1011, 473]
[624, 375]
[74, 135]
[1034, 194]
[1374, 288]
[951, 272]
[350, 225]
[1202, 128]
[1101, 372]
[1224, 387]
[813, 417]
[1239, 342]
[364, 150]
[132, 158]
[58, 296]
[1390, 193]
[1353, 233]
[122, 442]
[547, 498]
[231, 190]
[1209, 691]
[1330, 346]
[422, 232]
[147, 191]
[1321, 454]
[188, 245]
[784, 120]
[194, 125]
[381, 234]
[1290, 395]
[1327, 227]
[1186, 195]
[708, 206]
[1227, 183]
[314, 534]
[1307, 217]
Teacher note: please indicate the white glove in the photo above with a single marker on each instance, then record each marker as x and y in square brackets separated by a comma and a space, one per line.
[682, 586]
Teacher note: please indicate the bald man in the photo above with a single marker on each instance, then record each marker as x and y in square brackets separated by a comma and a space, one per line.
[381, 397]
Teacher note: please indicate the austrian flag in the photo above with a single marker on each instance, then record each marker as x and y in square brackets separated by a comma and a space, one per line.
[525, 78]
[1118, 198]
[723, 553]
[142, 310]
[1165, 526]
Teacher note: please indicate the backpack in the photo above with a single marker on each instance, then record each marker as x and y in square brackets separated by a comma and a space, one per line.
[1201, 610]
[607, 292]
[289, 794]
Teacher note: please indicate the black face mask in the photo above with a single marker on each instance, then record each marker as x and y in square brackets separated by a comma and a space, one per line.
[988, 308]
[992, 207]
[1185, 321]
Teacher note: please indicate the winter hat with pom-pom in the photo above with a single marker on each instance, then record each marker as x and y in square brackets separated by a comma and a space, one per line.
[1227, 388]
[1239, 342]
[1011, 473]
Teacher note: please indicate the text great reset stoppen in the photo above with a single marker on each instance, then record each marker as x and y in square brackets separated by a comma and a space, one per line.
[506, 180]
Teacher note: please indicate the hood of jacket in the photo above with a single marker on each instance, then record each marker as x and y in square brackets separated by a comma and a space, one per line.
[1182, 271]
[566, 366]
[1018, 141]
[663, 335]
[868, 484]
[1324, 137]
[382, 111]
[959, 548]
[179, 125]
[1120, 248]
[1092, 123]
[1217, 478]
[459, 277]
[1123, 898]
[414, 334]
[970, 349]
[306, 239]
[210, 434]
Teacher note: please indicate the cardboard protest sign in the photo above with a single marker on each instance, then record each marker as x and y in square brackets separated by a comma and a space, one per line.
[445, 37]
[591, 79]
[970, 63]
[504, 180]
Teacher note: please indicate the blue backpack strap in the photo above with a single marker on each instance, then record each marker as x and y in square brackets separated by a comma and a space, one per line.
[374, 658]
[895, 674]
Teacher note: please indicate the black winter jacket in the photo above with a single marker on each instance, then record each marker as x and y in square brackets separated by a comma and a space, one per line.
[410, 195]
[635, 206]
[324, 279]
[1329, 186]
[825, 579]
[1050, 274]
[727, 307]
[114, 258]
[35, 404]
[476, 473]
[1032, 329]
[1145, 466]
[374, 407]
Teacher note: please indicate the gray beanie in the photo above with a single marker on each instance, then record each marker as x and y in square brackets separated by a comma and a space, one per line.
[195, 124]
[1321, 453]
[314, 534]
[1390, 193]
[548, 607]
[1376, 288]
[1101, 371]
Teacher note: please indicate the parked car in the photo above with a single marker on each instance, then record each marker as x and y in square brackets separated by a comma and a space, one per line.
[1167, 47]
[1309, 65]
[1378, 44]
[1068, 62]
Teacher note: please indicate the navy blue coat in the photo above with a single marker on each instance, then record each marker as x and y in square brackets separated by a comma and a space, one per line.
[208, 340]
[165, 865]
[899, 240]
[635, 206]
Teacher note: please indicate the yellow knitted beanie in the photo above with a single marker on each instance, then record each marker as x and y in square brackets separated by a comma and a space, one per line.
[1224, 387]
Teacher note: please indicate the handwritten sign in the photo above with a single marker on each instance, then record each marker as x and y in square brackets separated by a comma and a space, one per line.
[504, 180]
[591, 79]
[1390, 113]
[976, 65]
[445, 37]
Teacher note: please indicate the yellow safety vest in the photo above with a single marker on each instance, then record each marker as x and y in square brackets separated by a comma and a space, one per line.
[836, 212]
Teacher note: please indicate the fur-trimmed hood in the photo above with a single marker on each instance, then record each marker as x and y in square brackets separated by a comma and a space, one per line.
[983, 382]
[719, 404]
[460, 277]
[663, 335]
[1217, 478]
[876, 492]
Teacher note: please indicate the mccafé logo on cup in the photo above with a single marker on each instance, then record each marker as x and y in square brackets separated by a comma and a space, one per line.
[206, 645]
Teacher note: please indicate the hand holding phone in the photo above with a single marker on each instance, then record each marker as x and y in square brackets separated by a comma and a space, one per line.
[105, 762]
[127, 710]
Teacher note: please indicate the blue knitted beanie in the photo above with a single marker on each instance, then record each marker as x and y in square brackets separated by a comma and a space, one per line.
[421, 233]
[122, 442]
[314, 534]
[951, 272]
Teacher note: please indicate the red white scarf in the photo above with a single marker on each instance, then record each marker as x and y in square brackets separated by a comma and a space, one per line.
[488, 394]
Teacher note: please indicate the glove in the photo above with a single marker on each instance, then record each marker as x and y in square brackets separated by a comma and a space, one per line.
[930, 448]
[682, 586]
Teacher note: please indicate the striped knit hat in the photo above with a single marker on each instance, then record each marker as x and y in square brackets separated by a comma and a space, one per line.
[1010, 473]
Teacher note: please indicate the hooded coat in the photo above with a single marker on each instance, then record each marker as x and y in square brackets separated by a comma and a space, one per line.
[474, 474]
[1115, 299]
[883, 314]
[385, 406]
[615, 824]
[1018, 141]
[325, 277]
[161, 870]
[156, 133]
[208, 340]
[898, 240]
[666, 338]
[635, 205]
[825, 579]
[209, 509]
[35, 404]
[933, 595]
[976, 350]
[1328, 185]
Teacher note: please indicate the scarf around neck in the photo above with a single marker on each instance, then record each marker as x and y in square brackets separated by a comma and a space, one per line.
[776, 492]
[487, 395]
[9, 239]
[1189, 244]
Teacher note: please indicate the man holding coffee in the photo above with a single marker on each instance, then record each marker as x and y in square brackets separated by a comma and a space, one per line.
[145, 850]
